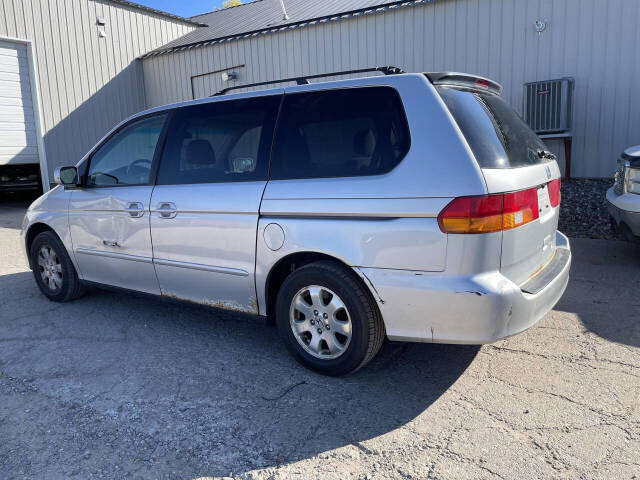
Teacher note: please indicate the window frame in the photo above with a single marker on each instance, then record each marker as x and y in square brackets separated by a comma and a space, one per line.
[277, 130]
[268, 146]
[168, 114]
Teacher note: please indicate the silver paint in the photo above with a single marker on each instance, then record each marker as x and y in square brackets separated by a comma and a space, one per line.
[472, 308]
[99, 214]
[273, 236]
[438, 151]
[121, 256]
[206, 252]
[198, 242]
[51, 209]
[526, 248]
[198, 266]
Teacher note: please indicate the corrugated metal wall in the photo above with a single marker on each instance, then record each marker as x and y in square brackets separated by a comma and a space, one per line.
[595, 41]
[87, 84]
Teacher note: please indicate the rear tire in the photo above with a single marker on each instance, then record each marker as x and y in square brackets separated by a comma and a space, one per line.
[328, 319]
[53, 270]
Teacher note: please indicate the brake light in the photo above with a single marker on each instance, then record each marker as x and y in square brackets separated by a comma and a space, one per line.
[489, 213]
[482, 83]
[520, 208]
[553, 188]
[481, 214]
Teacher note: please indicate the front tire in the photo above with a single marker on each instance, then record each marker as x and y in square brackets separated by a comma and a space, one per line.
[53, 270]
[328, 319]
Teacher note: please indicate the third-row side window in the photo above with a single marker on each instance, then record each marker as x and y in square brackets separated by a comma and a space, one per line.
[340, 133]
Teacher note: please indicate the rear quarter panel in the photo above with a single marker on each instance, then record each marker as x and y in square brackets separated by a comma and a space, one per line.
[393, 243]
[384, 221]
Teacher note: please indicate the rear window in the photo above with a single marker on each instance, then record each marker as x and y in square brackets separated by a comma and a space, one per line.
[340, 133]
[498, 137]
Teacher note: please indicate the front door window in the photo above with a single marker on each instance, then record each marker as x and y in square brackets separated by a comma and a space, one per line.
[126, 158]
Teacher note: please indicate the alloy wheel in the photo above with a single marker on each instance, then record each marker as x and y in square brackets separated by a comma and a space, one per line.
[50, 268]
[320, 322]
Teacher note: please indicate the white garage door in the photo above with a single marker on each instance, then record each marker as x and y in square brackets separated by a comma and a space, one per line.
[18, 141]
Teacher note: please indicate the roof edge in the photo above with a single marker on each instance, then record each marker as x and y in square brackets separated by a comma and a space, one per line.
[292, 25]
[144, 8]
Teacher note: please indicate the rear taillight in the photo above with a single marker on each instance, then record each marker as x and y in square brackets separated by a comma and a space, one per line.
[520, 208]
[554, 192]
[489, 213]
[480, 214]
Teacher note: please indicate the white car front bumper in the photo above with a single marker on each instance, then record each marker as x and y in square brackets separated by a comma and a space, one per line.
[625, 208]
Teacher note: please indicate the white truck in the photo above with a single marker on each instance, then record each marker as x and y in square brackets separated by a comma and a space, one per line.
[623, 198]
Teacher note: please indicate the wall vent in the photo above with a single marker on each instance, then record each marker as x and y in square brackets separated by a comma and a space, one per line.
[547, 105]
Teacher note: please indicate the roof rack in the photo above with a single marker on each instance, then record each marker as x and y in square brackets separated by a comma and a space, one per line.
[304, 80]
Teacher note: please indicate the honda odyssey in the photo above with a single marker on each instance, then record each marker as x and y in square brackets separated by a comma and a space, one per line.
[414, 207]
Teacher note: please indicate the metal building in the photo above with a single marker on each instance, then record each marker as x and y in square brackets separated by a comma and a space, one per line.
[596, 42]
[71, 69]
[68, 73]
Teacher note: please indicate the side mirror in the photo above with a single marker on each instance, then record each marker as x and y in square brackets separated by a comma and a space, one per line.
[66, 176]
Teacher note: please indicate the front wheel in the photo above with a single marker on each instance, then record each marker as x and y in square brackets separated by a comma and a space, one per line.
[53, 270]
[328, 319]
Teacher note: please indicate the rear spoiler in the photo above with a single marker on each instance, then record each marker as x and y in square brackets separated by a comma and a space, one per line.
[455, 79]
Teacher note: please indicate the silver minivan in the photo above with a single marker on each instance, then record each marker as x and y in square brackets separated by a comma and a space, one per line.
[413, 207]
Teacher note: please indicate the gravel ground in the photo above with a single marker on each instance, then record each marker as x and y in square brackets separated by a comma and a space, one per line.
[583, 211]
[122, 386]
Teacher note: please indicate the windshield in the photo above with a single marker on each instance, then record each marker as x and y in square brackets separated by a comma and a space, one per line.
[498, 137]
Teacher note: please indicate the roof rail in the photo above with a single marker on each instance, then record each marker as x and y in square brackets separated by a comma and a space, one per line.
[304, 80]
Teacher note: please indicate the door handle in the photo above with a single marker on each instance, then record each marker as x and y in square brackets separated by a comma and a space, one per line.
[135, 209]
[110, 243]
[167, 210]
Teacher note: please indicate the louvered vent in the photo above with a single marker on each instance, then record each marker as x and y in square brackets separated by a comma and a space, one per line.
[547, 105]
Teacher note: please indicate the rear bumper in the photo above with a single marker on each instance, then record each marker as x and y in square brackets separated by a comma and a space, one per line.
[478, 309]
[625, 209]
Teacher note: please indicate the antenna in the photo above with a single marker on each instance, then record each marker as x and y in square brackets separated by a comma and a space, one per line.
[284, 11]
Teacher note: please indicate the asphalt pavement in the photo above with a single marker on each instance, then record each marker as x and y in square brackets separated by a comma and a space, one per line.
[126, 386]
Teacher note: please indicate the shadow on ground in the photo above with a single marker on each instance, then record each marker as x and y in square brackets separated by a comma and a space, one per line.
[603, 289]
[156, 387]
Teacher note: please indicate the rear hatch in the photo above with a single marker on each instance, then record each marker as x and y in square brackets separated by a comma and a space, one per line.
[512, 159]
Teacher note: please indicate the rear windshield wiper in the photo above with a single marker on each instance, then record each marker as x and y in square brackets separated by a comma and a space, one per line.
[546, 154]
